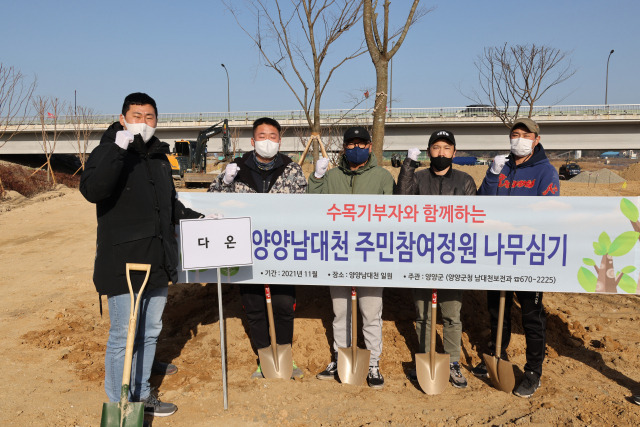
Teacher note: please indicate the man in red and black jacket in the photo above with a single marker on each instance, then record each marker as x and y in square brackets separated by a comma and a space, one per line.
[526, 171]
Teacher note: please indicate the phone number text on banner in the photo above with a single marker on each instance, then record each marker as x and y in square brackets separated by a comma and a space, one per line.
[556, 244]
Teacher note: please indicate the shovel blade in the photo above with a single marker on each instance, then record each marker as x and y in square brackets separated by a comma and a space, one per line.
[132, 415]
[352, 371]
[284, 367]
[110, 415]
[500, 372]
[432, 381]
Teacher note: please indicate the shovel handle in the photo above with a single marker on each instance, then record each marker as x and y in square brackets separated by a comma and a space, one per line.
[272, 326]
[354, 326]
[133, 317]
[500, 323]
[434, 312]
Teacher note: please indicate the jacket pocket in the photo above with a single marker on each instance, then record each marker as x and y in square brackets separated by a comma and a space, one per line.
[124, 233]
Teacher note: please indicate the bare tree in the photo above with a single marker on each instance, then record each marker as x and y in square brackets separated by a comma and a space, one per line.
[378, 43]
[15, 96]
[83, 122]
[234, 134]
[48, 110]
[295, 41]
[513, 78]
[335, 130]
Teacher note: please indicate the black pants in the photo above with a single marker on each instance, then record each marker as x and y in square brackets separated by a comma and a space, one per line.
[283, 301]
[534, 323]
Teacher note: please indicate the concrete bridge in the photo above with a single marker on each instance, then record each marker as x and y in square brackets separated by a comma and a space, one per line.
[564, 128]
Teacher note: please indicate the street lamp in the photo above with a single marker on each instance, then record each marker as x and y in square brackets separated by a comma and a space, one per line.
[606, 89]
[228, 99]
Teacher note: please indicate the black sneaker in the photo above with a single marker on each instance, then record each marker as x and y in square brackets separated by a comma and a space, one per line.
[375, 378]
[153, 406]
[636, 399]
[529, 384]
[455, 376]
[330, 373]
[162, 368]
[480, 370]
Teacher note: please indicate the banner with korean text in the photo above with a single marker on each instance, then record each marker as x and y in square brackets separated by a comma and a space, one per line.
[552, 244]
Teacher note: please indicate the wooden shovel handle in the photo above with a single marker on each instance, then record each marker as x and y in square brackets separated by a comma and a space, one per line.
[133, 317]
[434, 312]
[354, 325]
[272, 326]
[500, 323]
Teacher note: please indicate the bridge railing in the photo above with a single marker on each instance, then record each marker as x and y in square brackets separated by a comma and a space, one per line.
[332, 116]
[351, 115]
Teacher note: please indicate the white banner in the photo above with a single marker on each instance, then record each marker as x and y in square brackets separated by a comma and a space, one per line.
[551, 244]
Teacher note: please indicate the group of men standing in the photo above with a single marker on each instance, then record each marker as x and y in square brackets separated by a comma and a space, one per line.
[357, 172]
[128, 177]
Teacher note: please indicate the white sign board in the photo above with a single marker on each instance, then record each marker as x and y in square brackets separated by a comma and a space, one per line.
[213, 243]
[550, 244]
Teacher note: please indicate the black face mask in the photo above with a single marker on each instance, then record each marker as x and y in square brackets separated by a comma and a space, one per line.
[441, 163]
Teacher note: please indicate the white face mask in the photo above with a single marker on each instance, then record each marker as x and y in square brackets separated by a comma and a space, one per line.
[521, 147]
[145, 131]
[266, 148]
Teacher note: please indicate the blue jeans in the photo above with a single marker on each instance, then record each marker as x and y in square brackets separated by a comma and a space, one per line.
[144, 347]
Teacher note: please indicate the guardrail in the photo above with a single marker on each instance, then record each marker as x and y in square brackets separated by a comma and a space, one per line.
[337, 115]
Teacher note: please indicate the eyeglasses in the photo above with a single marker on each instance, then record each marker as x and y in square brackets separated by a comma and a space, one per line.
[350, 145]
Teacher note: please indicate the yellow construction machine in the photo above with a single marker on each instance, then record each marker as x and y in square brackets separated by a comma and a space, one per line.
[189, 158]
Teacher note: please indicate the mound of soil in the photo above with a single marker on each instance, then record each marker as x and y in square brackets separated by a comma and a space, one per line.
[632, 173]
[602, 176]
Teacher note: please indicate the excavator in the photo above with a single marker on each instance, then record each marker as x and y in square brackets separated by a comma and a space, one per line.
[189, 158]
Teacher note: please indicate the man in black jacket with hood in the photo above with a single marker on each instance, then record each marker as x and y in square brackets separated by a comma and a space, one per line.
[439, 180]
[128, 177]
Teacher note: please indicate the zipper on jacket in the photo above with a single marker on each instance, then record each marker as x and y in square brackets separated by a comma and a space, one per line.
[145, 159]
[512, 177]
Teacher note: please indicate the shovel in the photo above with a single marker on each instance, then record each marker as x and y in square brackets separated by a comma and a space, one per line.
[500, 371]
[276, 360]
[353, 362]
[432, 369]
[127, 413]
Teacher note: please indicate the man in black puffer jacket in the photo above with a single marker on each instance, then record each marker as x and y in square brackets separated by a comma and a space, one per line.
[128, 177]
[440, 179]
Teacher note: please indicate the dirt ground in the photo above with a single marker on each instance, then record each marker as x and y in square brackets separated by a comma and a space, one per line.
[53, 343]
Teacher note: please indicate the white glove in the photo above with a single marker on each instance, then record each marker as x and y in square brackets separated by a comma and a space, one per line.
[214, 216]
[321, 167]
[230, 173]
[498, 163]
[413, 154]
[123, 139]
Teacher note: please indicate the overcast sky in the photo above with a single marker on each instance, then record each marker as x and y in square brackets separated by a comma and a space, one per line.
[173, 51]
